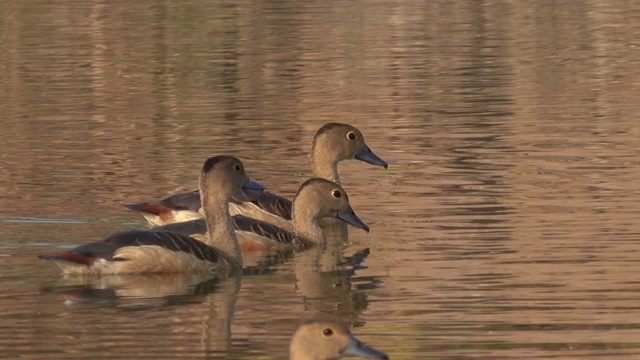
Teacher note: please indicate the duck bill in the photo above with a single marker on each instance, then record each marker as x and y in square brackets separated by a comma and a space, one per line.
[252, 185]
[357, 348]
[349, 216]
[370, 157]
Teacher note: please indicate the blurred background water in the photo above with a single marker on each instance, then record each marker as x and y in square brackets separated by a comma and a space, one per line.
[505, 228]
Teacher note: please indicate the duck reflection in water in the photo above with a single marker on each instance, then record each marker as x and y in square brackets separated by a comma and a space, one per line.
[195, 298]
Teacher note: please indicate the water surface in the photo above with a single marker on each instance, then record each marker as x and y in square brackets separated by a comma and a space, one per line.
[505, 227]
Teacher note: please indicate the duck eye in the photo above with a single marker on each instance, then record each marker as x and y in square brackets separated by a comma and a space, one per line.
[237, 167]
[351, 135]
[336, 194]
[327, 332]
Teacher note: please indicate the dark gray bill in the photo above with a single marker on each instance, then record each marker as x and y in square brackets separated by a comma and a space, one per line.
[370, 157]
[350, 217]
[252, 185]
[357, 348]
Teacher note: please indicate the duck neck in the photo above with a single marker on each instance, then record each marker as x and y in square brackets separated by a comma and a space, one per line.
[306, 226]
[220, 227]
[324, 166]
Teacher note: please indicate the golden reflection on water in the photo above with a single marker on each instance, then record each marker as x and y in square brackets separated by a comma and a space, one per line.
[506, 225]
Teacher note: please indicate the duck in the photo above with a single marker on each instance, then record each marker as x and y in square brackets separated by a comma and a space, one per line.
[328, 340]
[332, 143]
[144, 251]
[315, 200]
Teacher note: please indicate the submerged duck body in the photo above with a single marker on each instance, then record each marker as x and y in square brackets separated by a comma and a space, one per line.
[315, 200]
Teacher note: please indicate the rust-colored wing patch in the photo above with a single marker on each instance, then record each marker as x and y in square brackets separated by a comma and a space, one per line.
[69, 256]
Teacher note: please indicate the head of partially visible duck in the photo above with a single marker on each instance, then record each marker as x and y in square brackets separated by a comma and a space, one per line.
[328, 340]
[335, 142]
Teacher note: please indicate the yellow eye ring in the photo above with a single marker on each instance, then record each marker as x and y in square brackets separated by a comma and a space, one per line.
[351, 135]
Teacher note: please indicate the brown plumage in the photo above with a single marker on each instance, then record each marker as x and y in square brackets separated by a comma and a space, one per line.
[316, 199]
[139, 251]
[333, 143]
